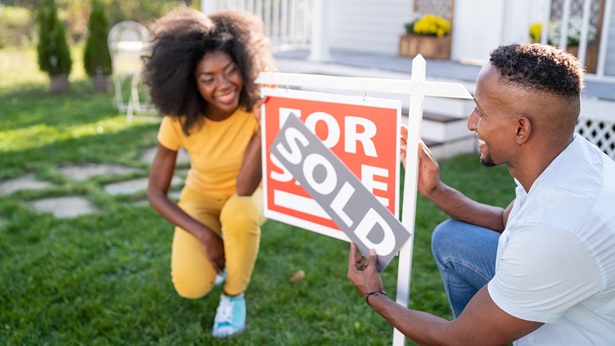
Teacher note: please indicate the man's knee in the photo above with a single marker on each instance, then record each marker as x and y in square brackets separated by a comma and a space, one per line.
[442, 232]
[445, 238]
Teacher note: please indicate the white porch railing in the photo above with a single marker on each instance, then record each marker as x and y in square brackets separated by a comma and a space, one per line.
[287, 22]
[596, 122]
[584, 39]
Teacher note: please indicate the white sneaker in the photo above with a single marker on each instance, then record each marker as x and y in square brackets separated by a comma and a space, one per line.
[230, 316]
[220, 277]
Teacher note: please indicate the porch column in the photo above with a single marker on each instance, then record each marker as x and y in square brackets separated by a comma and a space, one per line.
[319, 45]
[482, 25]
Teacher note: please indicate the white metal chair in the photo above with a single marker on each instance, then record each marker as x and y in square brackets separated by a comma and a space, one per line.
[127, 41]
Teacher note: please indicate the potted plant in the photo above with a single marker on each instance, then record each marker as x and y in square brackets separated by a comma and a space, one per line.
[96, 56]
[574, 38]
[52, 48]
[428, 35]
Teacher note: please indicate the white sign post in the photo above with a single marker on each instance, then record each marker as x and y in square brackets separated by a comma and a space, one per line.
[417, 88]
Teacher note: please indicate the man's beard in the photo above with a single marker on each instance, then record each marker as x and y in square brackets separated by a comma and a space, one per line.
[487, 161]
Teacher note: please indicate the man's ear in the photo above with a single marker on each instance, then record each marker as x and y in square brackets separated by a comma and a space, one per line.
[523, 130]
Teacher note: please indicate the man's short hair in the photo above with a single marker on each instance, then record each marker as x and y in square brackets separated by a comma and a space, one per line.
[539, 67]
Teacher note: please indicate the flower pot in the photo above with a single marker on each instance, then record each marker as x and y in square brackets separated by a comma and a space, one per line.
[58, 83]
[430, 47]
[591, 56]
[101, 83]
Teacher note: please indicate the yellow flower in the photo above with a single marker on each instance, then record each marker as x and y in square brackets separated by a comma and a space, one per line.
[536, 32]
[431, 24]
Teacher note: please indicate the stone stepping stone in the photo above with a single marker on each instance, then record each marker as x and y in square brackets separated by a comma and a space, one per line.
[173, 195]
[64, 207]
[86, 171]
[132, 186]
[27, 182]
[148, 156]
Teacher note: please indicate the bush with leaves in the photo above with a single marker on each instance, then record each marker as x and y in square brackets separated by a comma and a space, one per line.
[575, 25]
[428, 24]
[53, 53]
[432, 25]
[96, 57]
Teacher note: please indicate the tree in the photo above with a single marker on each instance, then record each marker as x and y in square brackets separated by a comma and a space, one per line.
[96, 57]
[53, 53]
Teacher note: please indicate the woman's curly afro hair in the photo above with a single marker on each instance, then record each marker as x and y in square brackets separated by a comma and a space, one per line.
[182, 38]
[539, 67]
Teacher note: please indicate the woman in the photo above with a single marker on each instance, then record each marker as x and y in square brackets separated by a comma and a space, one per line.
[201, 75]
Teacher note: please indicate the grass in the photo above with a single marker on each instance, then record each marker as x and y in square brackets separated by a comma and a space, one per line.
[103, 278]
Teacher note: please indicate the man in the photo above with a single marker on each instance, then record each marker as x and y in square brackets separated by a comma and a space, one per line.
[549, 278]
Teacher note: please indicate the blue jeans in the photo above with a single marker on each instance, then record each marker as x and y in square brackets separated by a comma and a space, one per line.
[465, 255]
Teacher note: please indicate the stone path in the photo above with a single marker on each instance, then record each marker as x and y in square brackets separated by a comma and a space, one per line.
[88, 170]
[25, 182]
[73, 206]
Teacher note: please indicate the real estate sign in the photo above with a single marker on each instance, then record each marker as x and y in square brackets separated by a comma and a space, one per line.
[362, 132]
[358, 213]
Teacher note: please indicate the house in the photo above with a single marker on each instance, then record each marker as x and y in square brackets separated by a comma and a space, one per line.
[478, 26]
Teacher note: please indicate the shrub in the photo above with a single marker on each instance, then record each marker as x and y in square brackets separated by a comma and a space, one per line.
[432, 25]
[536, 32]
[96, 57]
[409, 25]
[554, 32]
[53, 53]
[574, 31]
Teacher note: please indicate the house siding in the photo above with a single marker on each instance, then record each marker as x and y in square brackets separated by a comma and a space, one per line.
[367, 25]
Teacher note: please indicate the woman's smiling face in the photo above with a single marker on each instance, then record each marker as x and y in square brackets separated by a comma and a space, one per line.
[219, 82]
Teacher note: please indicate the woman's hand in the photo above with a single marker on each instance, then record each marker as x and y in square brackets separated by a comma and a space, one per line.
[213, 246]
[159, 183]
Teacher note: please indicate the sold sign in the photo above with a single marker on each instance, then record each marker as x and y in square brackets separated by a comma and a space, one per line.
[362, 132]
[358, 213]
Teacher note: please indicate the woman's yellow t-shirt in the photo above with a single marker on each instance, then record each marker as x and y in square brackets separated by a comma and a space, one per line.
[216, 150]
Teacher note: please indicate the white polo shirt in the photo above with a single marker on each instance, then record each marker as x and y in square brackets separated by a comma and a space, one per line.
[556, 259]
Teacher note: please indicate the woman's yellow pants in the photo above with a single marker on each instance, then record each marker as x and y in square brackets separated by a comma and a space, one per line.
[239, 220]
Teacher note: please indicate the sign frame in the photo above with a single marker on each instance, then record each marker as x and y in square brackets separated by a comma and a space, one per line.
[416, 88]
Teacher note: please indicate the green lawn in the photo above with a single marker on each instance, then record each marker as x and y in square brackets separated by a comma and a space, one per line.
[103, 279]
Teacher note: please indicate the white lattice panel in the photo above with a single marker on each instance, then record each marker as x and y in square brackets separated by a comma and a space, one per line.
[442, 8]
[576, 9]
[599, 132]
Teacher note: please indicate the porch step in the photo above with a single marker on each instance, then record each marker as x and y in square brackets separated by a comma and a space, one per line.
[459, 108]
[444, 128]
[444, 150]
[447, 136]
